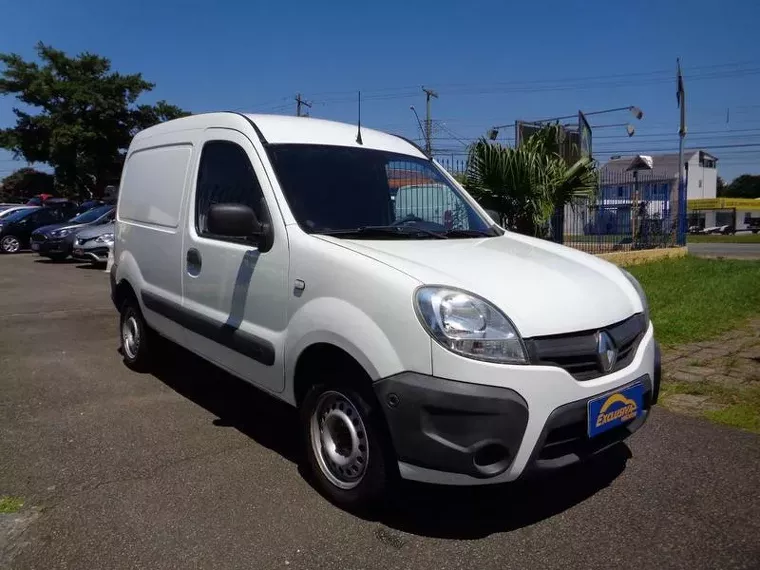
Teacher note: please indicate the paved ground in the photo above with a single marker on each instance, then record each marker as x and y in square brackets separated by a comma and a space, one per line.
[715, 374]
[732, 250]
[190, 468]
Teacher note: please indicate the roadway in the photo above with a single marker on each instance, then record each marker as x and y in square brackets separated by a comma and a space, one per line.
[727, 250]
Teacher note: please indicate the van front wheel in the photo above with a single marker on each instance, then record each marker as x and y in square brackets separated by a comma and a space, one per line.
[136, 337]
[346, 444]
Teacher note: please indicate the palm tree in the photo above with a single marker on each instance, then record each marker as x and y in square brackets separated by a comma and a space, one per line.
[528, 183]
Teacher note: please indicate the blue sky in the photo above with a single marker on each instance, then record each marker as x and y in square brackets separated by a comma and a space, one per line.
[491, 61]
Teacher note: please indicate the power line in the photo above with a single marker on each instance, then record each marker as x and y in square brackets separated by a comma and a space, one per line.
[574, 84]
[667, 73]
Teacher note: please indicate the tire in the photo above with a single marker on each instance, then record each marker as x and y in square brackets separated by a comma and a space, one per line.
[342, 421]
[10, 244]
[137, 338]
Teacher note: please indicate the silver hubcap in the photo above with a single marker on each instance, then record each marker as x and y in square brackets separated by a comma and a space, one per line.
[130, 336]
[11, 244]
[339, 440]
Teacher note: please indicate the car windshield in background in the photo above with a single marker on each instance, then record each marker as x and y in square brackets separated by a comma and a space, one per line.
[16, 216]
[91, 215]
[372, 194]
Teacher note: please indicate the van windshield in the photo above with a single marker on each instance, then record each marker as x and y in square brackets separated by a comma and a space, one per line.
[372, 194]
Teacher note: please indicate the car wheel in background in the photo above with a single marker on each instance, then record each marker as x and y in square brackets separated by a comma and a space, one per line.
[10, 244]
[137, 339]
[347, 443]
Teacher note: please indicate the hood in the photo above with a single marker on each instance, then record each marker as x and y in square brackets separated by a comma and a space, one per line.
[95, 231]
[47, 230]
[544, 288]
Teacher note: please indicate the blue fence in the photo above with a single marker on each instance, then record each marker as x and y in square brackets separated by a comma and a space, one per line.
[629, 211]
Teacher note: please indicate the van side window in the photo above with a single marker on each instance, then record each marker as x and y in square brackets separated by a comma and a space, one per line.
[226, 176]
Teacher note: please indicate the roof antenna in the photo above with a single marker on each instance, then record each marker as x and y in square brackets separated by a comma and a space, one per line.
[359, 126]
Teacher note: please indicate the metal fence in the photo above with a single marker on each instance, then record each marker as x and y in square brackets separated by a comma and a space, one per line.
[629, 211]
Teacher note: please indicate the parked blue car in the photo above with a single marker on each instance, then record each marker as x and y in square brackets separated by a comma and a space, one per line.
[56, 241]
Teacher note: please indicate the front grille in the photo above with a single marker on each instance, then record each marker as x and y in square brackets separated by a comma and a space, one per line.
[577, 352]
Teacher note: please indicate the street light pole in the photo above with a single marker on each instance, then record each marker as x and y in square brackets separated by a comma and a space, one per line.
[635, 111]
[419, 123]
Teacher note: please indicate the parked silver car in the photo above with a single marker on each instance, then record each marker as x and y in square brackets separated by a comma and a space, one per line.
[92, 243]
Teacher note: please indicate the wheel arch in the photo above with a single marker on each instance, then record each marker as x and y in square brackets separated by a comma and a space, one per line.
[321, 356]
[345, 332]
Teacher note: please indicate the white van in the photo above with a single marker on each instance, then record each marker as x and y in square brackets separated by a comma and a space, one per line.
[439, 350]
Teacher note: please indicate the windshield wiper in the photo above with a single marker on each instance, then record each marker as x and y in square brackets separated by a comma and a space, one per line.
[384, 231]
[470, 233]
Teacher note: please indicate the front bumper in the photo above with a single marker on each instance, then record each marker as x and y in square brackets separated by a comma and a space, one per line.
[51, 246]
[97, 254]
[504, 421]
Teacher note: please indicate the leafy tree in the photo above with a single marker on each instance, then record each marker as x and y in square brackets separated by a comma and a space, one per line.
[27, 182]
[745, 186]
[720, 186]
[526, 184]
[77, 115]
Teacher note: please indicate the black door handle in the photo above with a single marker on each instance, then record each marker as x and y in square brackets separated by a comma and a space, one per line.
[193, 261]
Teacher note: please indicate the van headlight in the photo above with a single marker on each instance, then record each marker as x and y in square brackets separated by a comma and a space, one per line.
[640, 291]
[468, 325]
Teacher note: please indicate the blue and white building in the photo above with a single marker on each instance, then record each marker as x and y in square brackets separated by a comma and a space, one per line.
[653, 192]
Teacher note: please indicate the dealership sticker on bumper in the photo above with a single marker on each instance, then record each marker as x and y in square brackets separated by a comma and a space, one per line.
[612, 410]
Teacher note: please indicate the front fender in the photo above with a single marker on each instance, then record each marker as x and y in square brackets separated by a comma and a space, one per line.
[339, 323]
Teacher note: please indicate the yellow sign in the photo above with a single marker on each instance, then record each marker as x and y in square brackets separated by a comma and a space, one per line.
[626, 412]
[743, 204]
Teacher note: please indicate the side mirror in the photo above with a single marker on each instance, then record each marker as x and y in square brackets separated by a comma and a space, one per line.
[233, 220]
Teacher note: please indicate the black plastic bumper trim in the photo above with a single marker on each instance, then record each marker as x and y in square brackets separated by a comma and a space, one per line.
[451, 426]
[657, 373]
[564, 440]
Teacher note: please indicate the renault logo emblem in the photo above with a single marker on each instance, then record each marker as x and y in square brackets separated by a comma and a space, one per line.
[605, 351]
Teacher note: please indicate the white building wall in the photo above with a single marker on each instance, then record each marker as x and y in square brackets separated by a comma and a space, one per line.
[702, 182]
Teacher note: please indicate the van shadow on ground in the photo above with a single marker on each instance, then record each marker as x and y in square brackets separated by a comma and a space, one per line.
[426, 510]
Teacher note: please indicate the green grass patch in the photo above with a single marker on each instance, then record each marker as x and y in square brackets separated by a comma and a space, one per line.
[744, 416]
[10, 505]
[738, 238]
[740, 404]
[693, 299]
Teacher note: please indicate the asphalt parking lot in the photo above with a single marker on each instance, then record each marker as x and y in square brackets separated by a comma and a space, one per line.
[190, 468]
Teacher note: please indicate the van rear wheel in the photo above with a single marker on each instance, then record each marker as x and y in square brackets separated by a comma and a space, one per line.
[347, 444]
[137, 339]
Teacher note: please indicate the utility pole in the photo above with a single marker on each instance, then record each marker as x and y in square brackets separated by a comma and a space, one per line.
[299, 102]
[682, 191]
[429, 93]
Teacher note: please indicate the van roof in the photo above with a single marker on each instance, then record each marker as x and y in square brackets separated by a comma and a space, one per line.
[280, 129]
